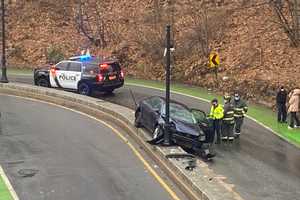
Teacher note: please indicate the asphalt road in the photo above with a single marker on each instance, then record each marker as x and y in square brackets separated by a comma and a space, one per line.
[52, 153]
[260, 164]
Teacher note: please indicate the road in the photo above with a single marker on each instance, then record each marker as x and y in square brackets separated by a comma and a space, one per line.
[260, 164]
[68, 156]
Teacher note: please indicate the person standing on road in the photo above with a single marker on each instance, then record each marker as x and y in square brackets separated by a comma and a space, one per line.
[216, 113]
[228, 119]
[281, 105]
[240, 108]
[294, 108]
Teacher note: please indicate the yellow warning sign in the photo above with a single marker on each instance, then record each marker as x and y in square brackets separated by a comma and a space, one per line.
[214, 59]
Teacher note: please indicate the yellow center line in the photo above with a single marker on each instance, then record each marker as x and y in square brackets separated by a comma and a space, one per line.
[125, 140]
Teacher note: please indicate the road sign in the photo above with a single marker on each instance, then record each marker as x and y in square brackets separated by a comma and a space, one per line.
[214, 59]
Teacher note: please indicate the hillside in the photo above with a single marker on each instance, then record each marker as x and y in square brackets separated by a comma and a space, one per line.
[256, 54]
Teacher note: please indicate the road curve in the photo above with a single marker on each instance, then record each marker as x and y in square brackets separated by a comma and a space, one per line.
[260, 164]
[69, 156]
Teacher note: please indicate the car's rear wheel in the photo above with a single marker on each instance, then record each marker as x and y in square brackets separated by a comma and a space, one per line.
[137, 120]
[158, 132]
[84, 89]
[43, 82]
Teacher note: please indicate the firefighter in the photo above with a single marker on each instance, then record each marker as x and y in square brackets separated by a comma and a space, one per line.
[216, 113]
[228, 119]
[240, 108]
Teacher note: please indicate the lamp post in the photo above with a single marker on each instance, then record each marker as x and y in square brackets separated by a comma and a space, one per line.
[3, 60]
[167, 134]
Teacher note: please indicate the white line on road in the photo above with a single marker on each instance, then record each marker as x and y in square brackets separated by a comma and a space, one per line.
[8, 184]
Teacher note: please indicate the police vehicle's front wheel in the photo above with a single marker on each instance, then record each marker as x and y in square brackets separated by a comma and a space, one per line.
[43, 82]
[84, 89]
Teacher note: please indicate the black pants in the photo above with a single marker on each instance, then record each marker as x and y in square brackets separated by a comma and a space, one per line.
[293, 119]
[217, 129]
[227, 129]
[238, 124]
[281, 117]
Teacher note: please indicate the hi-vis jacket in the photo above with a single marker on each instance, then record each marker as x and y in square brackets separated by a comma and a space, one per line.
[240, 108]
[217, 112]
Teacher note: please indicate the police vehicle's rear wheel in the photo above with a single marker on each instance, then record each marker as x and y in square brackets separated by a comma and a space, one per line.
[109, 91]
[43, 82]
[84, 89]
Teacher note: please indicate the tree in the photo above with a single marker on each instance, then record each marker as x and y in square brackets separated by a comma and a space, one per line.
[288, 15]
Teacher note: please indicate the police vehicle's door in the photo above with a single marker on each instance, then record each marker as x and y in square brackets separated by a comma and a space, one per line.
[58, 73]
[74, 75]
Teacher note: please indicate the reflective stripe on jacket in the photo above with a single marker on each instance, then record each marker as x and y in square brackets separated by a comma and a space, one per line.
[240, 108]
[228, 113]
[216, 112]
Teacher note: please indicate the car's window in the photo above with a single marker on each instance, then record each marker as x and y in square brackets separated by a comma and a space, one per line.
[181, 113]
[75, 67]
[199, 115]
[62, 66]
[154, 103]
[90, 69]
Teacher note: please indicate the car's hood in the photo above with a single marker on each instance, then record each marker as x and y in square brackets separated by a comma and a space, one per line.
[188, 128]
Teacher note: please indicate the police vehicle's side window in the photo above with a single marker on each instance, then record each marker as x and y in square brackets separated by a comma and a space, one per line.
[75, 67]
[62, 66]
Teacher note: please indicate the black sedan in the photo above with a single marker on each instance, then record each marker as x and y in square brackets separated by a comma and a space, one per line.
[189, 127]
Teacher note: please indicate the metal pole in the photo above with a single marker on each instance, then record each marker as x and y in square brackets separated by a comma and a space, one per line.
[168, 74]
[4, 76]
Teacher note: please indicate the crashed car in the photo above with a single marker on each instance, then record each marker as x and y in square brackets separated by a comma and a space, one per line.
[189, 128]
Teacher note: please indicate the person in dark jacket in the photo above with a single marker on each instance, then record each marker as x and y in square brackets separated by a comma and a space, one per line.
[228, 119]
[240, 109]
[281, 105]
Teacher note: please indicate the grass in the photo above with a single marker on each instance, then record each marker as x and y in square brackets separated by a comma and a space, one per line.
[262, 114]
[4, 193]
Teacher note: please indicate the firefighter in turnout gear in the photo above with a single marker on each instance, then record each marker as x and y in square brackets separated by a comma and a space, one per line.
[228, 119]
[216, 113]
[240, 108]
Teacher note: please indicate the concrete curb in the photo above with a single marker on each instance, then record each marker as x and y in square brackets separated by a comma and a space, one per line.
[200, 184]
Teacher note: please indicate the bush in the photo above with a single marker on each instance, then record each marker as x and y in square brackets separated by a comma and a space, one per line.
[54, 54]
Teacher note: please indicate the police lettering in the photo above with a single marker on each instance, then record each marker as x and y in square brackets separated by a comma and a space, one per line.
[67, 78]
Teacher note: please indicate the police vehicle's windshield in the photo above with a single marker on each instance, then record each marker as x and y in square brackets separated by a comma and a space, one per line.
[181, 113]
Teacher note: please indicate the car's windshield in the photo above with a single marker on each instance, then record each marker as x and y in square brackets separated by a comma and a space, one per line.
[181, 113]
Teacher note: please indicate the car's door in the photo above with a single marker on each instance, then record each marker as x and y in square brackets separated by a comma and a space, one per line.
[151, 111]
[58, 73]
[204, 123]
[73, 75]
[156, 105]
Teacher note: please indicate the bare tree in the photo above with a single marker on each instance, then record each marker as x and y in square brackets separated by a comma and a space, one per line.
[91, 21]
[288, 14]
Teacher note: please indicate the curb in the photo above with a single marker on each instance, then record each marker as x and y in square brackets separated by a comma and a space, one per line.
[200, 184]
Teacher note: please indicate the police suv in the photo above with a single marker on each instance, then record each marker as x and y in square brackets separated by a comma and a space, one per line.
[84, 74]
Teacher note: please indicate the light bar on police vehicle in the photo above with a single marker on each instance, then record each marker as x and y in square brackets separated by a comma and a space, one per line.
[86, 57]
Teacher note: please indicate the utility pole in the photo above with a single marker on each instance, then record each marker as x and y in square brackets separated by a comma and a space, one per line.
[167, 133]
[4, 76]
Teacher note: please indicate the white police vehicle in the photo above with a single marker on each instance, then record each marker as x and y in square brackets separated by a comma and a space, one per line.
[84, 74]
